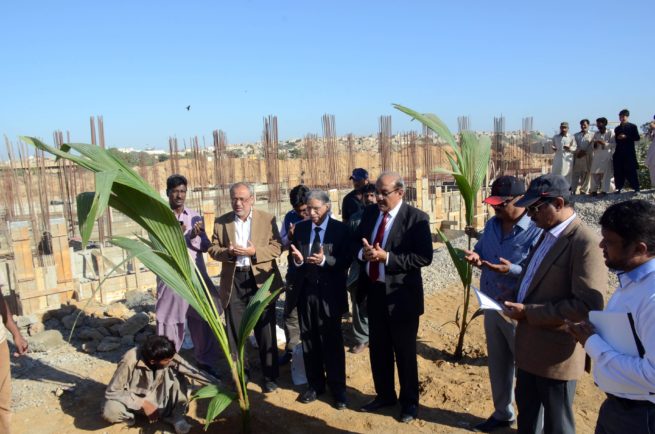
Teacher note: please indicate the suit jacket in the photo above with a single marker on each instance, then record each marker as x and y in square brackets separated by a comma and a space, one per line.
[264, 235]
[330, 279]
[410, 246]
[568, 284]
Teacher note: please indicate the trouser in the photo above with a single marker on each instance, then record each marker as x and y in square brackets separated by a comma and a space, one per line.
[500, 360]
[322, 342]
[619, 416]
[360, 319]
[290, 317]
[651, 172]
[5, 388]
[602, 181]
[244, 288]
[173, 331]
[625, 169]
[555, 397]
[172, 411]
[389, 339]
[205, 346]
[580, 179]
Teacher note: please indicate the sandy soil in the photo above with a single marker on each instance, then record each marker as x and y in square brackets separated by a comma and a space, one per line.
[454, 396]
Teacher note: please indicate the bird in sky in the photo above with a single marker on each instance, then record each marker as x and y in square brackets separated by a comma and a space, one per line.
[188, 108]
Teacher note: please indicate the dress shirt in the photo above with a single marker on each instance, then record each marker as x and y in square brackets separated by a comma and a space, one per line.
[602, 156]
[514, 246]
[626, 146]
[583, 143]
[312, 235]
[291, 218]
[243, 235]
[543, 248]
[559, 141]
[622, 375]
[392, 216]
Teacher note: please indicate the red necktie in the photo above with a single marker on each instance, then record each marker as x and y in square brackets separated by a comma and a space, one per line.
[374, 267]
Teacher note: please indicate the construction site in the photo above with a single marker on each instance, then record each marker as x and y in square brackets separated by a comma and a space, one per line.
[44, 264]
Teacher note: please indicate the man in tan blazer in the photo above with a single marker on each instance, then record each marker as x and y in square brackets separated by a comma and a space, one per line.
[565, 278]
[247, 242]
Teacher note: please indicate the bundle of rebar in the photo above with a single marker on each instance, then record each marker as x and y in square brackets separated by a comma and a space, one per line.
[384, 143]
[270, 142]
[330, 145]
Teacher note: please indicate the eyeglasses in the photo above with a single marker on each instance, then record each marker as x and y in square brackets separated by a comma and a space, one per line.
[385, 193]
[503, 204]
[533, 209]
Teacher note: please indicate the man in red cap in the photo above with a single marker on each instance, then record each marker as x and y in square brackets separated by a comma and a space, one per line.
[503, 247]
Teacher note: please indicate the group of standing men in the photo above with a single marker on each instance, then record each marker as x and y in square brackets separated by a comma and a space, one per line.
[376, 254]
[549, 271]
[589, 160]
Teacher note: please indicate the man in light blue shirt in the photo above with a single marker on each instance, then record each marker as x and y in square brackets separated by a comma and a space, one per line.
[628, 244]
[500, 252]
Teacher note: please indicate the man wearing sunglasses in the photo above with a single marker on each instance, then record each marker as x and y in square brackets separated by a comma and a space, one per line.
[503, 246]
[564, 278]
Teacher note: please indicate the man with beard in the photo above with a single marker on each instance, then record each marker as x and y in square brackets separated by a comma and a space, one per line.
[500, 252]
[625, 155]
[628, 244]
[582, 161]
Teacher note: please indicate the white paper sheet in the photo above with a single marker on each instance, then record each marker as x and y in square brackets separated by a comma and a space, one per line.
[614, 328]
[485, 301]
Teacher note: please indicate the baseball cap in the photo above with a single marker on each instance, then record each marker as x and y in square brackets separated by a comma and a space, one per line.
[546, 186]
[359, 174]
[503, 188]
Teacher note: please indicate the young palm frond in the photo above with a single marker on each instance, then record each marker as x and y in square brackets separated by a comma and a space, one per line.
[164, 252]
[468, 166]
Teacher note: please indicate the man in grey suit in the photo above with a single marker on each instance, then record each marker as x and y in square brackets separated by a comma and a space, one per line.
[565, 278]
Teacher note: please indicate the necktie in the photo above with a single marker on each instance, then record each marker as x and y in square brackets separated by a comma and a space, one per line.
[374, 267]
[316, 244]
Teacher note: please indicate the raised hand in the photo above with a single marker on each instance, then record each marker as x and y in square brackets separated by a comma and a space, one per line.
[296, 255]
[501, 268]
[317, 257]
[472, 258]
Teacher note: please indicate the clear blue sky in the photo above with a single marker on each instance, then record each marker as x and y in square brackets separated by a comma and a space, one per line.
[140, 63]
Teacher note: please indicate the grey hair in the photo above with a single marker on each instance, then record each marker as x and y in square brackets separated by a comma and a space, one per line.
[398, 180]
[241, 184]
[320, 195]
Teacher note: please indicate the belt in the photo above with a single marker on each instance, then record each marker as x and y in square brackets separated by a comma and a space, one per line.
[243, 269]
[631, 403]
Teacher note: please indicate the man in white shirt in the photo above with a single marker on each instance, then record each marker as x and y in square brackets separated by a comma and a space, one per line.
[628, 244]
[582, 161]
[564, 146]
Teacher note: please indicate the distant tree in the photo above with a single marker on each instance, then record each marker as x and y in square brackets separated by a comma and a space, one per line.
[163, 157]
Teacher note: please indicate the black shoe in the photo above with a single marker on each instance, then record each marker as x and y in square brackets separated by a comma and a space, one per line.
[340, 400]
[210, 370]
[408, 413]
[492, 424]
[284, 358]
[308, 396]
[269, 386]
[377, 404]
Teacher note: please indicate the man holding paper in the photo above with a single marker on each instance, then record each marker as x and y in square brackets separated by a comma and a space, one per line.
[502, 247]
[564, 278]
[628, 244]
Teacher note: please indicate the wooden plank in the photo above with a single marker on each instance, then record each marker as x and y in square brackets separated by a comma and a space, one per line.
[61, 251]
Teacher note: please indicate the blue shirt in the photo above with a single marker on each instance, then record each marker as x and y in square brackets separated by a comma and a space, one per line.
[514, 246]
[292, 217]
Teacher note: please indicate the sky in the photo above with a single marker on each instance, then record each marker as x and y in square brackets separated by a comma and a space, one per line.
[140, 63]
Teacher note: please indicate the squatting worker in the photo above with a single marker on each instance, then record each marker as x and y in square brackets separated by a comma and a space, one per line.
[564, 278]
[503, 247]
[247, 241]
[395, 244]
[150, 381]
[628, 245]
[321, 255]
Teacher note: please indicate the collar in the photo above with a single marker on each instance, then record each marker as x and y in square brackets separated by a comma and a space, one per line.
[524, 222]
[237, 219]
[323, 225]
[636, 274]
[140, 363]
[557, 230]
[393, 212]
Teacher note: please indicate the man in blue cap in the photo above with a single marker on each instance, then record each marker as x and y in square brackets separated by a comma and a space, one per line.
[352, 202]
[564, 278]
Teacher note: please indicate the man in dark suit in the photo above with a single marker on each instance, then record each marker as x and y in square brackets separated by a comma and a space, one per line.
[395, 243]
[564, 278]
[321, 254]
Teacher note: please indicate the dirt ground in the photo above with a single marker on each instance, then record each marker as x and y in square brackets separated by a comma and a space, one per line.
[454, 396]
